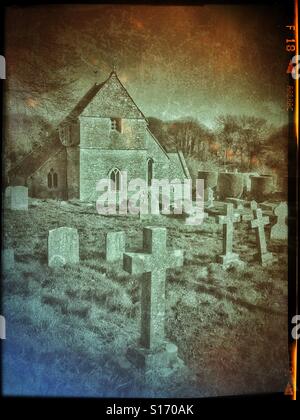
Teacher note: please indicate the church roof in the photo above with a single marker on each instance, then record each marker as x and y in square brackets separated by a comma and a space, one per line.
[37, 157]
[106, 99]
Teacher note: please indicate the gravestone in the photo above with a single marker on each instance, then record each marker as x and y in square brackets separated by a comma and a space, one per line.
[8, 259]
[194, 214]
[16, 198]
[258, 224]
[229, 258]
[7, 198]
[63, 247]
[210, 198]
[253, 205]
[280, 230]
[154, 351]
[114, 246]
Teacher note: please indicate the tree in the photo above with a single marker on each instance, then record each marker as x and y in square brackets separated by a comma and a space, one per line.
[242, 136]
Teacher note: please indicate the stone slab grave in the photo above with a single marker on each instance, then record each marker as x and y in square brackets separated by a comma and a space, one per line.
[258, 223]
[114, 246]
[63, 247]
[154, 353]
[16, 198]
[279, 231]
[7, 259]
[229, 258]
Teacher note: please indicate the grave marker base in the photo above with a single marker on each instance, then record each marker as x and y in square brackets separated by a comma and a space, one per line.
[156, 363]
[229, 260]
[266, 259]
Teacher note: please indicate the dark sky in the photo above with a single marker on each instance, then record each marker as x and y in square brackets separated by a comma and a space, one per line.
[176, 61]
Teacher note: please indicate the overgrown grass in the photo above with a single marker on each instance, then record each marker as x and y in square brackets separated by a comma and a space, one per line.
[68, 328]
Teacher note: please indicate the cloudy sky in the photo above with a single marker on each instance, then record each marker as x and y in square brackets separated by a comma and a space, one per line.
[176, 61]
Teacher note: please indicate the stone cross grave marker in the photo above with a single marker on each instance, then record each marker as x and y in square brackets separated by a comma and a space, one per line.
[229, 257]
[280, 230]
[63, 247]
[152, 263]
[114, 246]
[259, 223]
[155, 354]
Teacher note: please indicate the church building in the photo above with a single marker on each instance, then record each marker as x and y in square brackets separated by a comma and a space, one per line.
[104, 134]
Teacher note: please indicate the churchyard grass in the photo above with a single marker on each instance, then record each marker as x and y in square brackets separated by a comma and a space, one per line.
[68, 327]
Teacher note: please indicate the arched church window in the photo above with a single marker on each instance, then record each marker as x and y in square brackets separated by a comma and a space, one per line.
[55, 180]
[150, 169]
[116, 124]
[115, 176]
[49, 180]
[52, 179]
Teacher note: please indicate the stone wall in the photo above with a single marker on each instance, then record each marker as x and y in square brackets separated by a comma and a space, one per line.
[72, 172]
[95, 164]
[96, 132]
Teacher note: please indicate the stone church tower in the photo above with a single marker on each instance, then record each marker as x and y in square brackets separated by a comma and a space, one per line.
[104, 134]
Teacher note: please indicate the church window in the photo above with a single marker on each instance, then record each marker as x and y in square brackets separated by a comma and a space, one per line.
[55, 180]
[52, 179]
[49, 180]
[116, 124]
[150, 164]
[115, 176]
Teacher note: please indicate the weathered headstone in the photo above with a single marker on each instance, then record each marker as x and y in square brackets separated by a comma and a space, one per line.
[152, 263]
[258, 224]
[63, 247]
[7, 198]
[114, 246]
[16, 198]
[280, 230]
[8, 259]
[228, 258]
[253, 205]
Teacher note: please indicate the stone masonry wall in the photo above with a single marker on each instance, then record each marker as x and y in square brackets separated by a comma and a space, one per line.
[38, 182]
